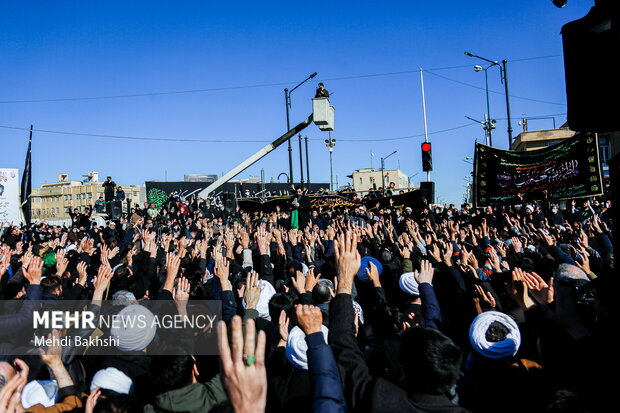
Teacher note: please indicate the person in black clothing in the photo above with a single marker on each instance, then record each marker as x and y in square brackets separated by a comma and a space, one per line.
[81, 220]
[300, 209]
[108, 192]
[321, 92]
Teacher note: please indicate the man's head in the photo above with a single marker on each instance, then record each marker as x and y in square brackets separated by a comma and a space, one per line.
[299, 190]
[52, 285]
[321, 86]
[173, 372]
[109, 178]
[120, 189]
[278, 303]
[431, 360]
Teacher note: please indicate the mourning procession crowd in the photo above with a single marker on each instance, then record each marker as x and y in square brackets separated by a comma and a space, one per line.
[408, 308]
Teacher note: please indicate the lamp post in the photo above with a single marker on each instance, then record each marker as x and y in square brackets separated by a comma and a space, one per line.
[287, 101]
[488, 126]
[307, 163]
[330, 143]
[503, 70]
[383, 171]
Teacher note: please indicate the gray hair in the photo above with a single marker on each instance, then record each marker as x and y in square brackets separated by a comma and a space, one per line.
[123, 298]
[569, 272]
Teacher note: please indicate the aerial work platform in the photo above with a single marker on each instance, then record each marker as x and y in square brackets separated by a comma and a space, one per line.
[322, 115]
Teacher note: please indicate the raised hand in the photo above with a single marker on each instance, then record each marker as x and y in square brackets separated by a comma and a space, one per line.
[26, 258]
[483, 296]
[447, 254]
[539, 289]
[61, 263]
[173, 262]
[309, 318]
[426, 273]
[434, 252]
[373, 274]
[222, 271]
[299, 282]
[91, 402]
[53, 353]
[348, 261]
[181, 293]
[283, 323]
[494, 259]
[82, 275]
[311, 280]
[34, 271]
[243, 370]
[252, 290]
[518, 289]
[101, 282]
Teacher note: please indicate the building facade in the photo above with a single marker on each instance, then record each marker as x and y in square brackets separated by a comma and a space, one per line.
[366, 179]
[52, 200]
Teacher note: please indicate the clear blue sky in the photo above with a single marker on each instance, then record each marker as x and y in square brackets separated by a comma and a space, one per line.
[71, 49]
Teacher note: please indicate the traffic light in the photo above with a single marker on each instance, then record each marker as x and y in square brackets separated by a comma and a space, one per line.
[427, 157]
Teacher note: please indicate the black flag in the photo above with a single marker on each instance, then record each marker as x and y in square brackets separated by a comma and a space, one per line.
[27, 183]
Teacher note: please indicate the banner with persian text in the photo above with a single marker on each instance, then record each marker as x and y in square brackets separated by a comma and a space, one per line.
[570, 169]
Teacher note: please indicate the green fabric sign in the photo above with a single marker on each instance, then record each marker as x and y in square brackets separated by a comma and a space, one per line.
[570, 169]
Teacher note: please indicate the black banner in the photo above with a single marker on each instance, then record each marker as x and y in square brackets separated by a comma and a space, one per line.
[158, 192]
[411, 199]
[569, 169]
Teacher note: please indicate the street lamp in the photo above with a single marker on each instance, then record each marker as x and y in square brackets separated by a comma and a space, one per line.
[330, 143]
[504, 78]
[287, 101]
[383, 171]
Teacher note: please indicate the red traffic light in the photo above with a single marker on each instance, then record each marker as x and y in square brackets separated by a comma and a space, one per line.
[426, 147]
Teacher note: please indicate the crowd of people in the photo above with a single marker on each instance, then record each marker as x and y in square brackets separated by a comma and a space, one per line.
[413, 309]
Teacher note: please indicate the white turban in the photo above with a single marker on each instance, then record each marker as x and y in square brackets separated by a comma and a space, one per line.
[266, 292]
[296, 347]
[501, 349]
[134, 328]
[111, 379]
[409, 284]
[39, 392]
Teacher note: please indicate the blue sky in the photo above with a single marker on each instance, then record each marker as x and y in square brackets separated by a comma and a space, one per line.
[69, 49]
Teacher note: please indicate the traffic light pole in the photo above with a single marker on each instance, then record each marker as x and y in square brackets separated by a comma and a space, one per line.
[428, 173]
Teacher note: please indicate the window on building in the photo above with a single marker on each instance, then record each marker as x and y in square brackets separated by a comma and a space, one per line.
[135, 194]
[78, 196]
[90, 195]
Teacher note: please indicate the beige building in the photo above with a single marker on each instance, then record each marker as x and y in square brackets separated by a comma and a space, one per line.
[366, 179]
[52, 200]
[608, 143]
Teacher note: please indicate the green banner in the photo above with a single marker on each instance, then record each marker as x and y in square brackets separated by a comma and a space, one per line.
[570, 169]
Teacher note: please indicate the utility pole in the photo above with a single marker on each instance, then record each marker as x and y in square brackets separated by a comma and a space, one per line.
[508, 104]
[301, 163]
[307, 163]
[290, 147]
